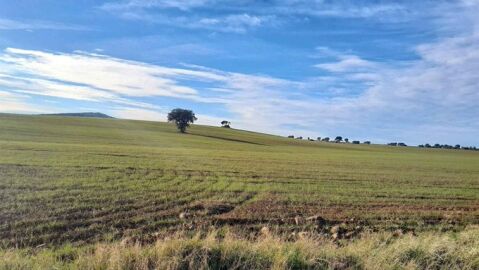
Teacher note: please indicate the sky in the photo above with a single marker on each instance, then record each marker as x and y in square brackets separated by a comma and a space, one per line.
[385, 71]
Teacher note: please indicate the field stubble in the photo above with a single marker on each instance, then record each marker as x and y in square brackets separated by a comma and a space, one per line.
[88, 180]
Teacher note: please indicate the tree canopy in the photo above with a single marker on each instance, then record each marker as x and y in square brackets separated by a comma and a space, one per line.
[182, 118]
[225, 124]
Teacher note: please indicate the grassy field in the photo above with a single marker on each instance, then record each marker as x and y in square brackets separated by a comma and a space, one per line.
[76, 180]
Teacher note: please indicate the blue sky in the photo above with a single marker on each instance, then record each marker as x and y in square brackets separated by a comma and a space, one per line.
[377, 70]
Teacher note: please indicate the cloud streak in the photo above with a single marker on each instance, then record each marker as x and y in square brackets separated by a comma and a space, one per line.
[243, 16]
[8, 24]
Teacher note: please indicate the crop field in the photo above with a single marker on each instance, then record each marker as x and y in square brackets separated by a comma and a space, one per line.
[80, 180]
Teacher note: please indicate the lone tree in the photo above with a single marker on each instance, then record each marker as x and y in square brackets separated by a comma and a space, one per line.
[225, 124]
[182, 118]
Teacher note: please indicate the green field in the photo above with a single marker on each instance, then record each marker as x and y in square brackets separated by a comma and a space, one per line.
[78, 180]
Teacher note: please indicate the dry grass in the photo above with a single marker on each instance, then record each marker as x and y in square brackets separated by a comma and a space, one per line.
[221, 249]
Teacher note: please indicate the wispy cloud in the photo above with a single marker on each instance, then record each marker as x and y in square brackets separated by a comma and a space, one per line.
[17, 103]
[242, 16]
[343, 9]
[236, 23]
[136, 4]
[348, 63]
[8, 24]
[239, 23]
[349, 9]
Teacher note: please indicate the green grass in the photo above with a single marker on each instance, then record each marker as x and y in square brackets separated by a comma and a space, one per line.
[76, 180]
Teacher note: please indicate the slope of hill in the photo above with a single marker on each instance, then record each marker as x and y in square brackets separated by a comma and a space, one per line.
[80, 180]
[84, 114]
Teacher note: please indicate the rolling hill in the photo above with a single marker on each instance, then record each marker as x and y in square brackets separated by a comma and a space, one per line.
[84, 114]
[88, 180]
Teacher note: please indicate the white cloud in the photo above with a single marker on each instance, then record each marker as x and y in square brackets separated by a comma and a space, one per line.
[241, 16]
[17, 103]
[100, 76]
[8, 24]
[239, 23]
[418, 100]
[342, 9]
[137, 114]
[236, 23]
[350, 9]
[347, 63]
[133, 4]
[96, 78]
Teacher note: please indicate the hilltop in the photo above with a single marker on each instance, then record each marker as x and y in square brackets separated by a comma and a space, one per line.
[83, 114]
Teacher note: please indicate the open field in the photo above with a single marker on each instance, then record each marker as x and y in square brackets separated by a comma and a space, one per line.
[83, 180]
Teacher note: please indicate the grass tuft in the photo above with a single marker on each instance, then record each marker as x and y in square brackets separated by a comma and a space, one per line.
[374, 251]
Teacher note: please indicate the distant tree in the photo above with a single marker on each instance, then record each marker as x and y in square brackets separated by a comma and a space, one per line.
[182, 118]
[338, 139]
[346, 140]
[421, 146]
[356, 142]
[393, 144]
[226, 124]
[367, 142]
[427, 145]
[437, 145]
[326, 139]
[402, 144]
[319, 138]
[299, 138]
[457, 146]
[291, 136]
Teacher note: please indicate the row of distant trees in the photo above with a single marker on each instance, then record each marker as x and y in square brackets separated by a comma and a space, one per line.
[338, 139]
[183, 118]
[437, 145]
[447, 146]
[397, 144]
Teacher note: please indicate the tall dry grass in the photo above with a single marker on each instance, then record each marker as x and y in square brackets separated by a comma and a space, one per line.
[223, 250]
